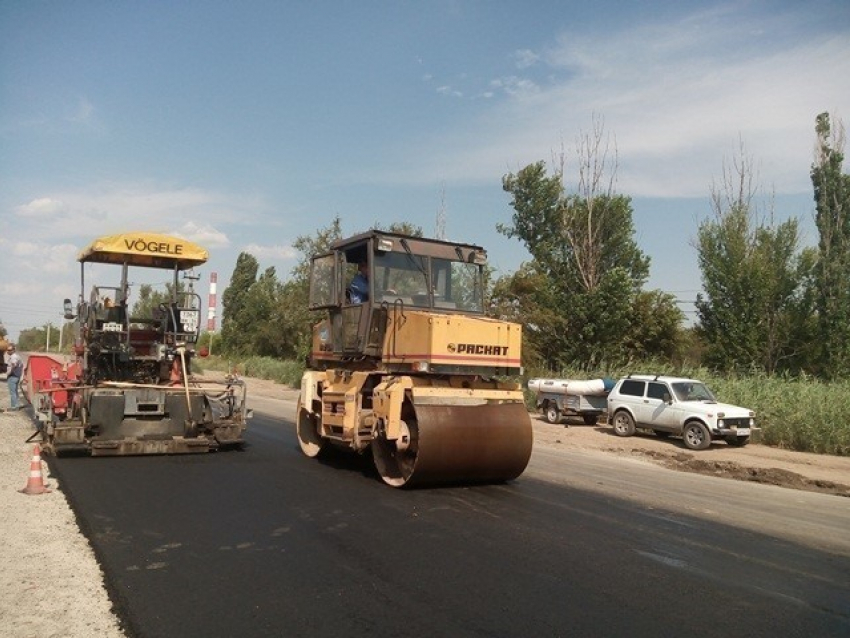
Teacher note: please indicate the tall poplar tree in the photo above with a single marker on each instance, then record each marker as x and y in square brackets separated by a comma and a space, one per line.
[751, 275]
[234, 338]
[832, 273]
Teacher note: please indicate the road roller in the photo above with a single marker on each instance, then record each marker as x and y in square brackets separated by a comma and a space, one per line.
[405, 365]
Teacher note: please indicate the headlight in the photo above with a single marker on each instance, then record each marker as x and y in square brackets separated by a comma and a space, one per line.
[752, 422]
[720, 423]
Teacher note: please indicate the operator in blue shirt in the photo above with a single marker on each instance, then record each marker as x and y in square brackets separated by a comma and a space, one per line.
[359, 288]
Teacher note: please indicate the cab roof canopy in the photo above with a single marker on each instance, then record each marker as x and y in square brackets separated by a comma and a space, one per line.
[151, 250]
[387, 241]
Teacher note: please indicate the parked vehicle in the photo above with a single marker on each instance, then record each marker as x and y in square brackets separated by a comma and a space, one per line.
[676, 406]
[557, 398]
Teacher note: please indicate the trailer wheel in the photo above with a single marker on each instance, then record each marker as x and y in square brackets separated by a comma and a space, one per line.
[696, 436]
[553, 414]
[589, 419]
[624, 424]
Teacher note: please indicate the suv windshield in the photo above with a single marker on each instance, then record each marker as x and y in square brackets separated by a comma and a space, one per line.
[692, 391]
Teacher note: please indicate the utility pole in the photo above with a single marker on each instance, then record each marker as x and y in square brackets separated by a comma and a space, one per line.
[440, 231]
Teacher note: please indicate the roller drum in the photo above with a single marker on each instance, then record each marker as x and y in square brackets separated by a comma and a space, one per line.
[483, 443]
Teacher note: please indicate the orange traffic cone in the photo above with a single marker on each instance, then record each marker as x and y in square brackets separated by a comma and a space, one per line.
[35, 483]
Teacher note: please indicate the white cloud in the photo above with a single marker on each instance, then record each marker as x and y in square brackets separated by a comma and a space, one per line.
[42, 257]
[516, 87]
[82, 112]
[676, 96]
[205, 235]
[283, 253]
[448, 90]
[107, 208]
[15, 289]
[43, 207]
[525, 58]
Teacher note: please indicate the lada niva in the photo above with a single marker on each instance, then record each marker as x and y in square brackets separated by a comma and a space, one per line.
[679, 407]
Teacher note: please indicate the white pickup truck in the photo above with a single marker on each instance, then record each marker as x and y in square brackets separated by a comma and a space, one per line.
[682, 407]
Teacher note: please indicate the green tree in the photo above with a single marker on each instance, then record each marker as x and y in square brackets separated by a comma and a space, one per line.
[832, 271]
[150, 299]
[234, 339]
[293, 318]
[751, 275]
[578, 296]
[261, 334]
[36, 339]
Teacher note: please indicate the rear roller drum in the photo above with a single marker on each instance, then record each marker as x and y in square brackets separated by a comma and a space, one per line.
[485, 443]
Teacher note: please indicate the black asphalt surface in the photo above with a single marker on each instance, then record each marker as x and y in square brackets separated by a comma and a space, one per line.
[266, 542]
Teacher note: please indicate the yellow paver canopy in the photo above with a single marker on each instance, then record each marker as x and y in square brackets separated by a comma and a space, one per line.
[151, 250]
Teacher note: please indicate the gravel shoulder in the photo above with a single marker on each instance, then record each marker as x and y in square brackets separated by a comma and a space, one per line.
[52, 585]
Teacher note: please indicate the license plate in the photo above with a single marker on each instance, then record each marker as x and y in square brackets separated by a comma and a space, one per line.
[743, 431]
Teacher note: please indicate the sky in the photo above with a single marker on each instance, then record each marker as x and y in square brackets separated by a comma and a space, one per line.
[244, 125]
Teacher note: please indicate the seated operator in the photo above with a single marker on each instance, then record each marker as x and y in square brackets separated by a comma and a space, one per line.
[359, 287]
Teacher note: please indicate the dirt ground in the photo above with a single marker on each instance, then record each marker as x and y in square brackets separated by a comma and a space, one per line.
[754, 462]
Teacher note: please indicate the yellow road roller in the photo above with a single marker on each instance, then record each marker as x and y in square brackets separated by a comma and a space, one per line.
[406, 365]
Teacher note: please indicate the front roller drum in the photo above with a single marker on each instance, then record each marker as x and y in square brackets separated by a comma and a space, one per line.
[307, 426]
[487, 443]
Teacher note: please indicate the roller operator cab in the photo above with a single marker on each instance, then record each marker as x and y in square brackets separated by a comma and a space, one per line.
[130, 389]
[407, 366]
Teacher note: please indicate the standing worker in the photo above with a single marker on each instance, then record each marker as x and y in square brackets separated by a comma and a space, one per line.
[14, 372]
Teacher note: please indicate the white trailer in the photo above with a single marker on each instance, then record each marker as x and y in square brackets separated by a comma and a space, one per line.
[557, 398]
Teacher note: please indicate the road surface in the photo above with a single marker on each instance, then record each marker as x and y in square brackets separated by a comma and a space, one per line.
[266, 542]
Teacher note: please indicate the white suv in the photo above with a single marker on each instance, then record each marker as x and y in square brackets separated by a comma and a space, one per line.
[683, 407]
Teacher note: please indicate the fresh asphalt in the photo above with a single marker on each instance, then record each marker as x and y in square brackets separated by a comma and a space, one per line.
[266, 542]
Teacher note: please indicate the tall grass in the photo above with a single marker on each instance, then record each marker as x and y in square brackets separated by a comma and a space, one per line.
[285, 372]
[796, 413]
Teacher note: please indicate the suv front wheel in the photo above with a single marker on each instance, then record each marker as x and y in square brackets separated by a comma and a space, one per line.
[696, 436]
[624, 424]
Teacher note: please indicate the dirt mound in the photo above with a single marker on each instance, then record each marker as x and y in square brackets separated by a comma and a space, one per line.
[741, 472]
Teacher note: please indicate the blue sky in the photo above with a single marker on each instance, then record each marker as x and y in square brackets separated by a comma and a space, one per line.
[244, 125]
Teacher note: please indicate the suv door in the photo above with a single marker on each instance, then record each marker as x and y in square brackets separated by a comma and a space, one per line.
[658, 411]
[629, 395]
